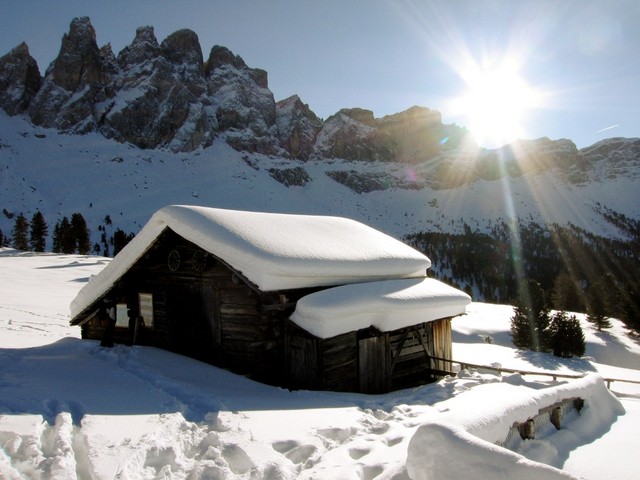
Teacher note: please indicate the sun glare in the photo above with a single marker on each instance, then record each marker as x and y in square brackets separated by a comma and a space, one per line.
[495, 104]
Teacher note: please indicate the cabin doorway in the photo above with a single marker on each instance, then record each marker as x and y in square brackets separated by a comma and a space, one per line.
[193, 321]
[373, 361]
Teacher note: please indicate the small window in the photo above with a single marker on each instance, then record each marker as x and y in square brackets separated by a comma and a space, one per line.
[122, 315]
[146, 308]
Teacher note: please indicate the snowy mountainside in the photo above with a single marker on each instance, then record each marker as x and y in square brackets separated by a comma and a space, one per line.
[185, 130]
[59, 174]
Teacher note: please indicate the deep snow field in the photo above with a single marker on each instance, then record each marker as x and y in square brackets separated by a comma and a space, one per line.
[72, 409]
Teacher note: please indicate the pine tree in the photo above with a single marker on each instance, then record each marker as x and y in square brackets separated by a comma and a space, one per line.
[20, 229]
[597, 311]
[55, 247]
[521, 329]
[63, 239]
[39, 232]
[530, 321]
[120, 240]
[81, 234]
[566, 295]
[566, 336]
[598, 302]
[2, 240]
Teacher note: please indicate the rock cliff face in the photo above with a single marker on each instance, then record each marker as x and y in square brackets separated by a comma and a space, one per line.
[19, 80]
[163, 95]
[73, 83]
[412, 136]
[153, 95]
[157, 98]
[243, 104]
[298, 127]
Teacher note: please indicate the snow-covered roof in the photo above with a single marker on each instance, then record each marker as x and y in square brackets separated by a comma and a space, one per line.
[274, 251]
[386, 305]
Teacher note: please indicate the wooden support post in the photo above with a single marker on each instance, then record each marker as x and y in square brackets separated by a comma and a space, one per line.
[527, 430]
[556, 417]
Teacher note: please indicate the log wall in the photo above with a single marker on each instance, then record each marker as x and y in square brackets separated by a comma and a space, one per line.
[367, 361]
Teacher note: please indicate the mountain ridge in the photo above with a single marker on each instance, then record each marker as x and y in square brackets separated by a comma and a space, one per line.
[158, 124]
[58, 174]
[166, 95]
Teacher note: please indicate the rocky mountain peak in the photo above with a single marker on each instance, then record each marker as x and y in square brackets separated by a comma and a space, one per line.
[19, 80]
[220, 56]
[359, 115]
[78, 62]
[614, 157]
[21, 51]
[73, 84]
[298, 127]
[108, 60]
[183, 48]
[144, 47]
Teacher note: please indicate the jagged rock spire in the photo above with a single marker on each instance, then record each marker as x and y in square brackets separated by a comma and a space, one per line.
[19, 80]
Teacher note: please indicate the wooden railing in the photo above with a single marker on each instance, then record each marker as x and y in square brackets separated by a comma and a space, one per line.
[554, 375]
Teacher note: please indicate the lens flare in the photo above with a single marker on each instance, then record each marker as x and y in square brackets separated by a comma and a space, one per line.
[496, 102]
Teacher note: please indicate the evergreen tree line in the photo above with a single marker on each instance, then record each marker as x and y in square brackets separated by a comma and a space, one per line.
[70, 235]
[111, 242]
[577, 271]
[533, 326]
[27, 235]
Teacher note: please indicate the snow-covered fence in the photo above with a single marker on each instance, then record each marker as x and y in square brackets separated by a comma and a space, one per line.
[553, 375]
[550, 415]
[479, 445]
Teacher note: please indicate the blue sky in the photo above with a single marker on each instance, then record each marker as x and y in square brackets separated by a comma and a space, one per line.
[581, 56]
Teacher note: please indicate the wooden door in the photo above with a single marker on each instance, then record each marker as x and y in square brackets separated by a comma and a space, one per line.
[194, 324]
[373, 364]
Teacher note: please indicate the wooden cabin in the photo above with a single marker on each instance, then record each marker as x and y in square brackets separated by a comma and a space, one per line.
[299, 301]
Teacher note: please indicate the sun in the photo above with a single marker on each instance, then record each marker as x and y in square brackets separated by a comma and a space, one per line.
[496, 103]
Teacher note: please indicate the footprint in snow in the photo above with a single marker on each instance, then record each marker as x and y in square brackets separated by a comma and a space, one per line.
[295, 452]
[358, 453]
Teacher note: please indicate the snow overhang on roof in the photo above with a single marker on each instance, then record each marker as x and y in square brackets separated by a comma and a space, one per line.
[386, 305]
[274, 251]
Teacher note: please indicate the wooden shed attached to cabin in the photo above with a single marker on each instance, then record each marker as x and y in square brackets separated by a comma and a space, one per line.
[299, 301]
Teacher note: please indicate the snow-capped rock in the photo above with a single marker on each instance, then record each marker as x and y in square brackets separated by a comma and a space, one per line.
[19, 80]
[73, 83]
[159, 97]
[298, 126]
[614, 157]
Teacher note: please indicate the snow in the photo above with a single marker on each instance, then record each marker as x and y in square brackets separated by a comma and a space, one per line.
[35, 164]
[274, 251]
[435, 448]
[386, 305]
[72, 409]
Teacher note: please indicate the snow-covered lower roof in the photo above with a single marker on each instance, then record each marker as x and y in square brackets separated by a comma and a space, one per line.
[386, 305]
[274, 251]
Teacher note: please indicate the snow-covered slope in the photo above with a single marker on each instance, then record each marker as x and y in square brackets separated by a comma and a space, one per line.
[72, 409]
[62, 174]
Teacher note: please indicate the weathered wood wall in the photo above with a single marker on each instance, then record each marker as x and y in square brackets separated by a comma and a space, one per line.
[367, 361]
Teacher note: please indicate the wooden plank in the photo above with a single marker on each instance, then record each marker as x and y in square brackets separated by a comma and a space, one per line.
[238, 296]
[227, 310]
[302, 359]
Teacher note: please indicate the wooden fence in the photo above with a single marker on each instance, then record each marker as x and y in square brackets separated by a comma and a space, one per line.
[554, 375]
